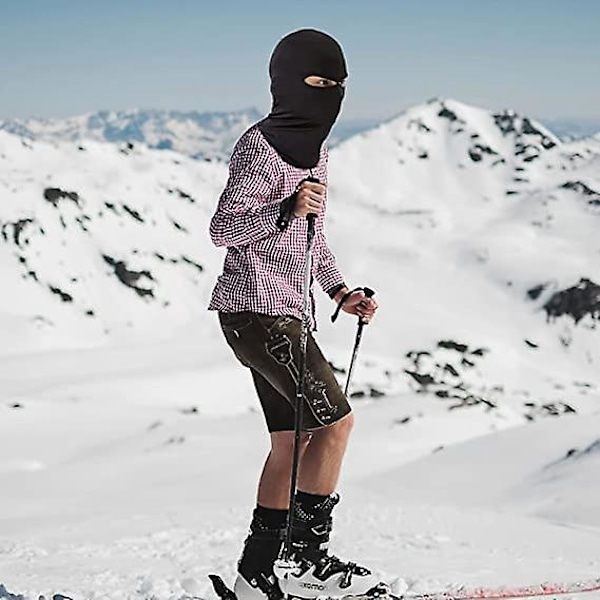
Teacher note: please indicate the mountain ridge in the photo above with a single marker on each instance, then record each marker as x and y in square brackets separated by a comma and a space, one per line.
[202, 135]
[209, 135]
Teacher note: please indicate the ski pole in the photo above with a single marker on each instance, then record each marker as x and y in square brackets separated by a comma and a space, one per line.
[300, 384]
[369, 293]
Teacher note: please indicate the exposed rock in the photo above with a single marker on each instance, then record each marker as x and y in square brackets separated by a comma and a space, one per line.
[593, 197]
[336, 369]
[128, 277]
[134, 213]
[451, 345]
[478, 150]
[63, 295]
[549, 409]
[14, 231]
[535, 292]
[578, 301]
[446, 113]
[183, 195]
[6, 595]
[55, 195]
[189, 261]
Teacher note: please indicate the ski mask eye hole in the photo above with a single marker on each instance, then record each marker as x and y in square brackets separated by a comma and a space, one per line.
[323, 82]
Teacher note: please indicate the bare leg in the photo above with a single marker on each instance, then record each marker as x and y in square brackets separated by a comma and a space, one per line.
[322, 462]
[274, 484]
[321, 453]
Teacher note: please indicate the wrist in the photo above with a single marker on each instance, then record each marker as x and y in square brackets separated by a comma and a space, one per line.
[340, 294]
[333, 292]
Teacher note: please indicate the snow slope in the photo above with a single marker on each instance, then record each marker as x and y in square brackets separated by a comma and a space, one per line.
[474, 224]
[116, 486]
[100, 239]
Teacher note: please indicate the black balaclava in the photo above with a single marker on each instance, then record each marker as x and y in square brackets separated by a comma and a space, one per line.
[302, 116]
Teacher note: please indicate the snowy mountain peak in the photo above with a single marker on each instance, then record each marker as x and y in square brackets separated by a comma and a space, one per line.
[469, 209]
[493, 155]
[489, 134]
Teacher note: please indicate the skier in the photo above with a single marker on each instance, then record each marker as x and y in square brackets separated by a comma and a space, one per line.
[278, 176]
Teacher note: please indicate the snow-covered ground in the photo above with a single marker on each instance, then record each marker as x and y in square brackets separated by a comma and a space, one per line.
[130, 439]
[131, 474]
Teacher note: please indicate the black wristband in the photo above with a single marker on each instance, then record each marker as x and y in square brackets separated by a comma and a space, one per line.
[286, 209]
[333, 291]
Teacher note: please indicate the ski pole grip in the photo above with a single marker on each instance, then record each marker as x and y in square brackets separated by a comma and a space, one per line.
[311, 217]
[368, 292]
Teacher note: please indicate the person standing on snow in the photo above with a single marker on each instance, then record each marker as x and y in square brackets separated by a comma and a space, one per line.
[261, 219]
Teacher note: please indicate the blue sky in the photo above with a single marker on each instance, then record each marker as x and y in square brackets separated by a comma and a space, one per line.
[68, 57]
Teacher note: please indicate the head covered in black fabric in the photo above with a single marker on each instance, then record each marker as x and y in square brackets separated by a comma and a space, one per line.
[302, 116]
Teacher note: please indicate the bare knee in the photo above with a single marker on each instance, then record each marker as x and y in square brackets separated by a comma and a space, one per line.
[338, 432]
[282, 444]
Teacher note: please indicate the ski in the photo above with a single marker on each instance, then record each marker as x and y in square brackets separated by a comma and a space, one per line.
[507, 593]
[380, 592]
[463, 593]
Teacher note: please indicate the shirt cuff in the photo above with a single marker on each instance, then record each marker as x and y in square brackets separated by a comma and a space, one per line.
[328, 277]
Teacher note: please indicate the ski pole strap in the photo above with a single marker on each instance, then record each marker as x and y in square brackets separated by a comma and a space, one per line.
[311, 217]
[369, 293]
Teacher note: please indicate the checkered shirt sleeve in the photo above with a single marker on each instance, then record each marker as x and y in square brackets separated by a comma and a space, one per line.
[243, 215]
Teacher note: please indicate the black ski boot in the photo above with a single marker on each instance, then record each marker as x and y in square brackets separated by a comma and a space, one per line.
[255, 579]
[320, 573]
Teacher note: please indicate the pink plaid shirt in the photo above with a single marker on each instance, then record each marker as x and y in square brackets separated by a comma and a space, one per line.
[264, 266]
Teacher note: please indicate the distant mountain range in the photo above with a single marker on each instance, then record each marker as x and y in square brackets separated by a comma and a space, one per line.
[478, 229]
[208, 136]
[202, 135]
[572, 129]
